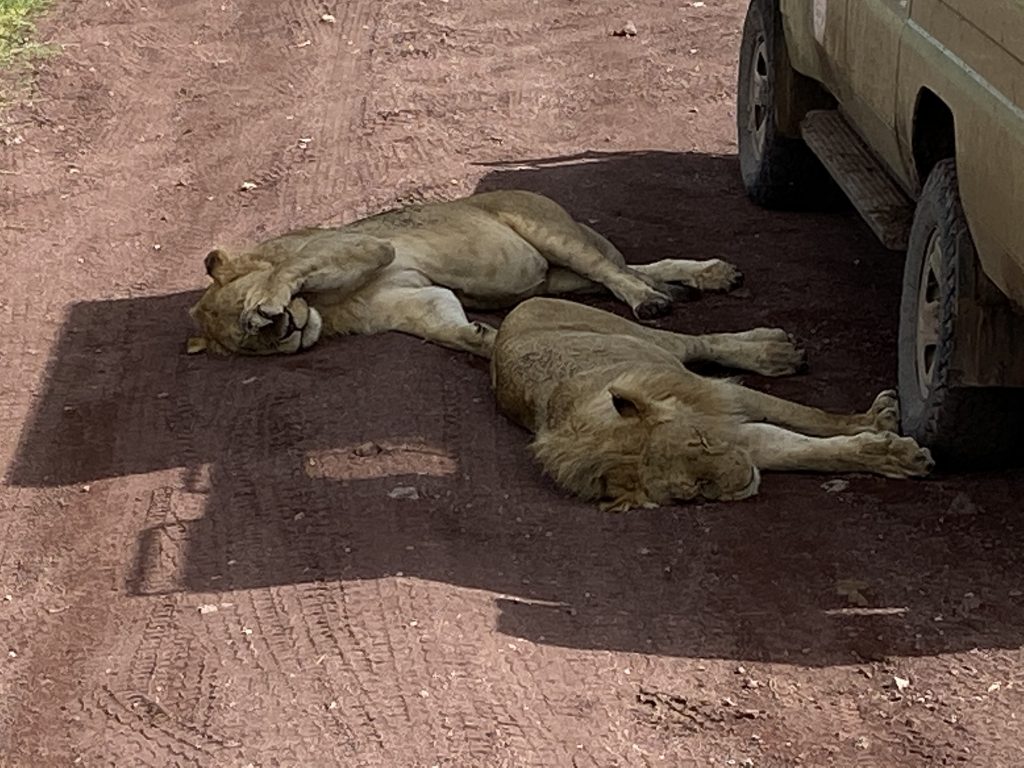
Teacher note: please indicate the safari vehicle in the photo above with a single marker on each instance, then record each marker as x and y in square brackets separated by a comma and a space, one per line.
[915, 110]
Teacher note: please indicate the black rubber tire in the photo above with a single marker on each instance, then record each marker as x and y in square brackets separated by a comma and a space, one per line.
[965, 427]
[786, 174]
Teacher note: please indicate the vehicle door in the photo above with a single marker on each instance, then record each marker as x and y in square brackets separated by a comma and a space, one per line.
[869, 61]
[816, 36]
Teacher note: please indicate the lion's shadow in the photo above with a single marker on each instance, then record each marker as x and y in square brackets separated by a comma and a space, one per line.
[265, 472]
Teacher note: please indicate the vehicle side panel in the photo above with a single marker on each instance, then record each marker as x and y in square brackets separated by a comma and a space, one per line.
[983, 85]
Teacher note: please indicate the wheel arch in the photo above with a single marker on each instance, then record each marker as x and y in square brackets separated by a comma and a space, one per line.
[933, 137]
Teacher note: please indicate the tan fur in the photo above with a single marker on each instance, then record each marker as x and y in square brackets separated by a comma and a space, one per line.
[617, 416]
[414, 269]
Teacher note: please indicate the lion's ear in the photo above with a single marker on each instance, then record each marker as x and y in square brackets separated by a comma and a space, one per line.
[627, 406]
[196, 344]
[216, 262]
[633, 404]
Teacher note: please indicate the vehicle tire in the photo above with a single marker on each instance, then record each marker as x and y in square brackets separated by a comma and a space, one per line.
[778, 171]
[963, 426]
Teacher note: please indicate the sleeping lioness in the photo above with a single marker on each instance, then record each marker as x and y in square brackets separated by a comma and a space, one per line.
[620, 419]
[414, 269]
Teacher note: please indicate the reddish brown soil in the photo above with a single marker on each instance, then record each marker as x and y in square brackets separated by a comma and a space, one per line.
[196, 567]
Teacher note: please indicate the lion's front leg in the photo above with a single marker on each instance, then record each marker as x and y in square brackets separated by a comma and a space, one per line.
[429, 312]
[768, 351]
[333, 262]
[881, 453]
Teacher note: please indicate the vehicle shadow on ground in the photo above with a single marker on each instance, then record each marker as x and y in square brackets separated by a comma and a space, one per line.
[368, 457]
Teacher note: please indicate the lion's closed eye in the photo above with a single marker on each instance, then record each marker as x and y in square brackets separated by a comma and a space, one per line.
[708, 444]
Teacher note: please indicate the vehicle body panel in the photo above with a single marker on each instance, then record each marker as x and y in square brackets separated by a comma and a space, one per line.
[877, 58]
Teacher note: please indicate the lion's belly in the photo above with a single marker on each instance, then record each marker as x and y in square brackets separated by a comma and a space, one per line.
[486, 263]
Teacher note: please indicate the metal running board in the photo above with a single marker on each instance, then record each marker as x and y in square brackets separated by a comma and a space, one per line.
[884, 206]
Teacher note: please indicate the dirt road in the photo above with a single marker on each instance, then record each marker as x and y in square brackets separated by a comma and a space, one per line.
[203, 564]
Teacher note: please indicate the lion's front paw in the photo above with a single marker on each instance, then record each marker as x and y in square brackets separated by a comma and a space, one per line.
[766, 334]
[263, 306]
[780, 358]
[884, 413]
[656, 305]
[894, 456]
[718, 275]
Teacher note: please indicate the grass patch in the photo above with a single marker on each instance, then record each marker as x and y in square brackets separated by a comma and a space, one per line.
[17, 30]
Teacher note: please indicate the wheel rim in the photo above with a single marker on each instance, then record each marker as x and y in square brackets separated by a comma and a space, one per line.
[928, 310]
[757, 117]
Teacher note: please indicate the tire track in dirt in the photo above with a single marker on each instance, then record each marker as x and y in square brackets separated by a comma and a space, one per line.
[165, 734]
[276, 645]
[423, 700]
[288, 679]
[157, 729]
[334, 123]
[517, 715]
[348, 670]
[165, 693]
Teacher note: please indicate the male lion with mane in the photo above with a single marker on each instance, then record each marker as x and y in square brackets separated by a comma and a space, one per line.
[415, 269]
[619, 418]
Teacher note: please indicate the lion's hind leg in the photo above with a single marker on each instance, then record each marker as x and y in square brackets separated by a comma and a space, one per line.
[564, 243]
[767, 351]
[658, 278]
[883, 453]
[882, 416]
[702, 275]
[560, 281]
[575, 252]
